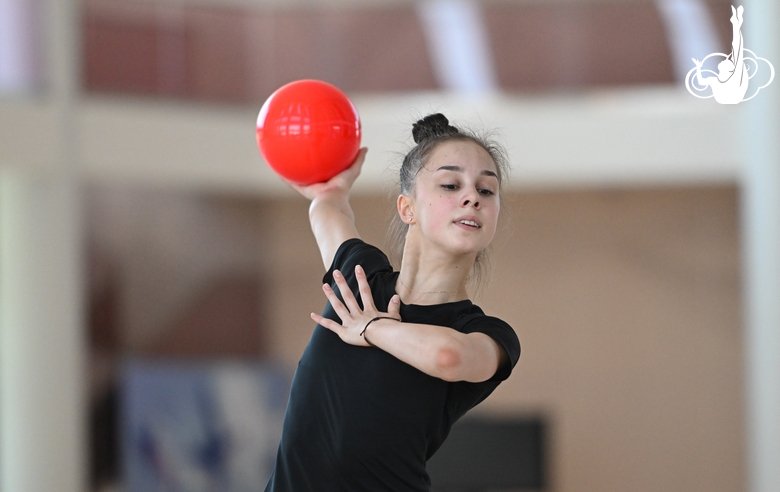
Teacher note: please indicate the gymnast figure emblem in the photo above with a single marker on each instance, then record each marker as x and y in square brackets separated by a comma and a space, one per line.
[730, 84]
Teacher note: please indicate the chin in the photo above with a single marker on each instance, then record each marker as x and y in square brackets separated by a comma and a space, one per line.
[465, 249]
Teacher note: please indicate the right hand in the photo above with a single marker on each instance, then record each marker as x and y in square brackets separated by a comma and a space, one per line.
[341, 182]
[353, 318]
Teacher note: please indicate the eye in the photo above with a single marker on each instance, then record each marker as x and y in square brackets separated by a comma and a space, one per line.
[486, 192]
[450, 187]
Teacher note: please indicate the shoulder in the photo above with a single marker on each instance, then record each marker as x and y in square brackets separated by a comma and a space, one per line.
[354, 252]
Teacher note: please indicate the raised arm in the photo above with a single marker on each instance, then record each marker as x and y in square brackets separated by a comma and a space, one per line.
[330, 214]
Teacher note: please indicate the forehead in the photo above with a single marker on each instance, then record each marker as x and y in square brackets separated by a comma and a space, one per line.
[465, 154]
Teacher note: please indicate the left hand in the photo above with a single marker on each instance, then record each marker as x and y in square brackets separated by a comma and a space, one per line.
[354, 319]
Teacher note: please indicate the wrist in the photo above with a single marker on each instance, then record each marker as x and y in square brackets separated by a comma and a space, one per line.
[363, 333]
[329, 198]
[330, 193]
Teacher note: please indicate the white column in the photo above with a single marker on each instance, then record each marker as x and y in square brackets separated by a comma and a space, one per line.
[42, 425]
[459, 45]
[690, 33]
[42, 352]
[761, 246]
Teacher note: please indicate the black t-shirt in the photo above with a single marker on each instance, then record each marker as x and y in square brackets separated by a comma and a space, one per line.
[359, 419]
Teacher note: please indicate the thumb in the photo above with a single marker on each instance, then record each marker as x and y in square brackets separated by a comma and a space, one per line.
[394, 307]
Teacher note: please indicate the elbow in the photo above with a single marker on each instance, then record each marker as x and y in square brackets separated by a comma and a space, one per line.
[449, 362]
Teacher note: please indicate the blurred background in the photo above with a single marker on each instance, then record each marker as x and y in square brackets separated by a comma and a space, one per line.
[156, 276]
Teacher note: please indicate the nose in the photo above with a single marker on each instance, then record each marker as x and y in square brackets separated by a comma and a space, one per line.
[472, 199]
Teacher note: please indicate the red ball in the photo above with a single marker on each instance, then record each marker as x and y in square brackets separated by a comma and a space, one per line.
[308, 131]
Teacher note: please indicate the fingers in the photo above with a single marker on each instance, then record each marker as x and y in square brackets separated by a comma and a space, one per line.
[306, 191]
[365, 290]
[351, 173]
[347, 177]
[309, 191]
[346, 292]
[342, 181]
[394, 307]
[361, 156]
[348, 308]
[338, 306]
[357, 164]
[327, 323]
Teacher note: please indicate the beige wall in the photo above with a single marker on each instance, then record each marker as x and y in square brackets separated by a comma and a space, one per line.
[627, 305]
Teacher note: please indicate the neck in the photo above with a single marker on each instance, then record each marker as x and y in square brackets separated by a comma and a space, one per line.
[436, 278]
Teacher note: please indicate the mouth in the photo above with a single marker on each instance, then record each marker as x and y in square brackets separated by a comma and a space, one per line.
[470, 223]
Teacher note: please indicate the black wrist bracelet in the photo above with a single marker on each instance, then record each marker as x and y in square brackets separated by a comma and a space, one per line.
[363, 333]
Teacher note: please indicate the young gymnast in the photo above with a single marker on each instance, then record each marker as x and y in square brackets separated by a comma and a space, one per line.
[731, 84]
[397, 356]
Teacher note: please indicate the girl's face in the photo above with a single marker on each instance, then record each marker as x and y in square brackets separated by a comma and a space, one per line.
[455, 204]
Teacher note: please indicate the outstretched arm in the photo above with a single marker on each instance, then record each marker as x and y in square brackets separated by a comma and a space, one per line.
[330, 214]
[438, 351]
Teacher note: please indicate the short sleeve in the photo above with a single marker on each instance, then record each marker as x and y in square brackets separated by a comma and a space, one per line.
[464, 395]
[502, 333]
[354, 252]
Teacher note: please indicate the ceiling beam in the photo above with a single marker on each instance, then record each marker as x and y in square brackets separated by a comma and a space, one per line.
[626, 137]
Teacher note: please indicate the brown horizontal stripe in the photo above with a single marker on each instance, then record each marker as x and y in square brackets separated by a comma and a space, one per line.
[578, 45]
[223, 54]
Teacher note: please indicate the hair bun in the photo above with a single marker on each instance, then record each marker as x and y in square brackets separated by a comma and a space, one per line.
[433, 125]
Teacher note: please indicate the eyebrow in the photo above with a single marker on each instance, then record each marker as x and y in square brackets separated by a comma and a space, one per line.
[459, 169]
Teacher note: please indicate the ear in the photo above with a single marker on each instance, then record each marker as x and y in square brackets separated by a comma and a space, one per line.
[405, 206]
